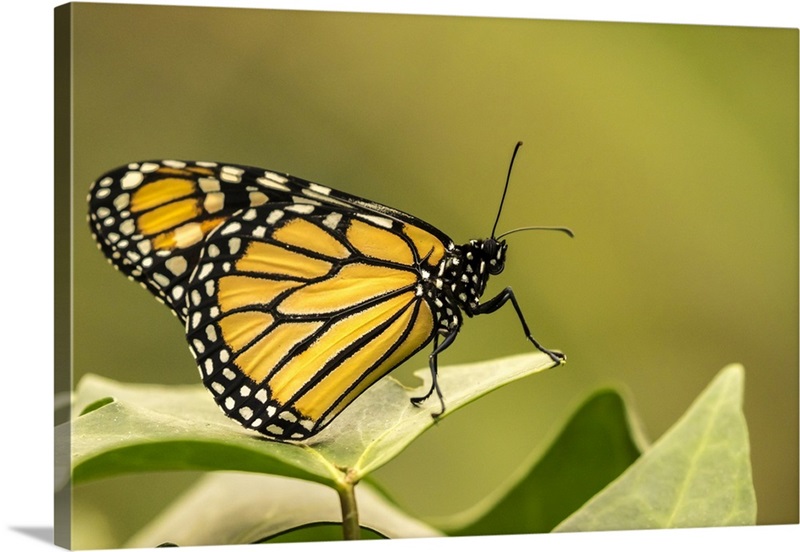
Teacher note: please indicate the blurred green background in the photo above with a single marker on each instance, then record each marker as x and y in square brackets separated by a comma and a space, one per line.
[671, 151]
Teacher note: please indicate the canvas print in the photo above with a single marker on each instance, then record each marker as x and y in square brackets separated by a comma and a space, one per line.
[362, 276]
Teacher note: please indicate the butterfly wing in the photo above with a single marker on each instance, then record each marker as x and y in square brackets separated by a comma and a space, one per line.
[296, 297]
[150, 219]
[295, 309]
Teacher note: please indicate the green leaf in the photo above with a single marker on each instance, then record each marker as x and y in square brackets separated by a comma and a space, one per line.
[697, 475]
[237, 508]
[154, 427]
[595, 446]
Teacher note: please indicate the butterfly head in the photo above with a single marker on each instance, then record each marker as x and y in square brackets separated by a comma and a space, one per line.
[468, 270]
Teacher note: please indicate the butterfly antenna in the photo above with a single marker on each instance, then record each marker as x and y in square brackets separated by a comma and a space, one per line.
[508, 177]
[564, 229]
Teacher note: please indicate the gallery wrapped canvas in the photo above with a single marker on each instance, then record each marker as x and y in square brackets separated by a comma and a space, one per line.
[278, 233]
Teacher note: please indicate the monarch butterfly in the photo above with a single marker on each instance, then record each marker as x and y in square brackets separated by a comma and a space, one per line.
[295, 297]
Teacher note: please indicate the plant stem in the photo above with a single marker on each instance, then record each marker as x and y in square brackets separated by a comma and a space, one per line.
[347, 499]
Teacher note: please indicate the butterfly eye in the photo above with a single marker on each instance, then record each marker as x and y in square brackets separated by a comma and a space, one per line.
[494, 254]
[489, 249]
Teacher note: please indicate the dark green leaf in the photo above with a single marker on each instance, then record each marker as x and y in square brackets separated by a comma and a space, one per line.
[594, 447]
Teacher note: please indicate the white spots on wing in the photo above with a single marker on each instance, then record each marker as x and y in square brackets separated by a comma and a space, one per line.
[177, 265]
[258, 198]
[230, 228]
[173, 164]
[305, 200]
[275, 177]
[324, 190]
[332, 220]
[198, 346]
[272, 185]
[214, 202]
[144, 246]
[208, 184]
[374, 219]
[231, 174]
[160, 279]
[301, 209]
[205, 270]
[122, 201]
[131, 180]
[274, 216]
[148, 167]
[188, 234]
[307, 424]
[234, 244]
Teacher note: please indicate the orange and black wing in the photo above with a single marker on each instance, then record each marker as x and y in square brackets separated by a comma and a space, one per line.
[296, 297]
[295, 309]
[150, 219]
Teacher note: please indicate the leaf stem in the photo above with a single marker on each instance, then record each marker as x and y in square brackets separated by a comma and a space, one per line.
[347, 499]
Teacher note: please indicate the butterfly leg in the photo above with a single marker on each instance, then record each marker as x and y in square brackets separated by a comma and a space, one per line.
[433, 362]
[501, 299]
